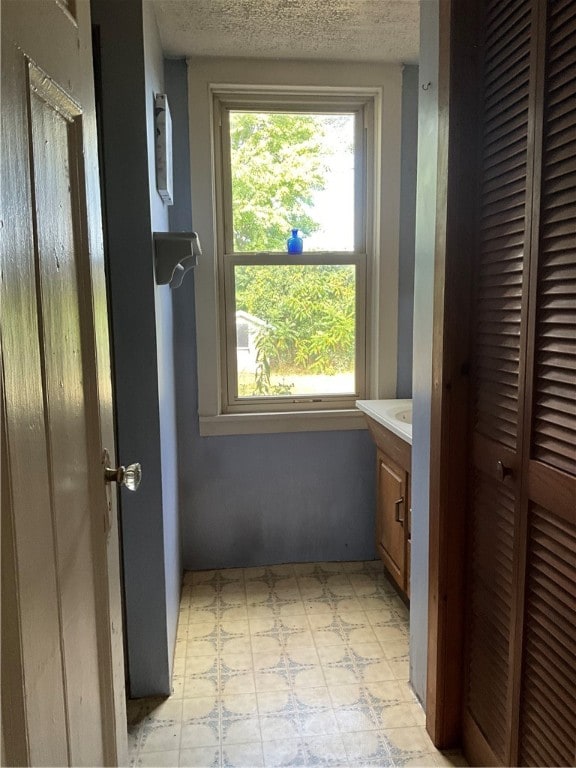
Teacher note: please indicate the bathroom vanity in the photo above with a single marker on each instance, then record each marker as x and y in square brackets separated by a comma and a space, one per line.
[390, 422]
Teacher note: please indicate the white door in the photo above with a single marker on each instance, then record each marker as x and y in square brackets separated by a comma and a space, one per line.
[62, 656]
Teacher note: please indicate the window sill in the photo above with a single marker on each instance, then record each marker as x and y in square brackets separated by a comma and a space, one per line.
[268, 423]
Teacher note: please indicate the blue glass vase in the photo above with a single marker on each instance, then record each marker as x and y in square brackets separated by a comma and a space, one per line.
[295, 243]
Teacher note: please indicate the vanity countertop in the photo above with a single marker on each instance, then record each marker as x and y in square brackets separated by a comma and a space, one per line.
[395, 415]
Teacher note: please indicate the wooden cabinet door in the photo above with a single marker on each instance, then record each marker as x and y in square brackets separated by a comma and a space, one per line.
[391, 514]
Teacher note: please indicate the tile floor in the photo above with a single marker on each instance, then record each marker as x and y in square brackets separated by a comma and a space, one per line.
[292, 665]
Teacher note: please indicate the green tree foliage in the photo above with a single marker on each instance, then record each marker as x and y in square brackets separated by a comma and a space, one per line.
[311, 311]
[278, 161]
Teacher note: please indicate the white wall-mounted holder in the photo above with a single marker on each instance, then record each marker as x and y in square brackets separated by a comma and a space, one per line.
[164, 173]
[174, 254]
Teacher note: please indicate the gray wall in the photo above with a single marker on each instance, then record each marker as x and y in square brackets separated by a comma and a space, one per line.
[256, 499]
[423, 322]
[154, 83]
[407, 229]
[141, 338]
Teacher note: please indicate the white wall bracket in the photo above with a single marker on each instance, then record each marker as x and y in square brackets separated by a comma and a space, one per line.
[174, 254]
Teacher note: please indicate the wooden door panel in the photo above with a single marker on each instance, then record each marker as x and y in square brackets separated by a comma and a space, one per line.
[554, 411]
[391, 537]
[552, 489]
[498, 328]
[547, 721]
[62, 573]
[548, 704]
[502, 224]
[29, 492]
[490, 589]
[56, 160]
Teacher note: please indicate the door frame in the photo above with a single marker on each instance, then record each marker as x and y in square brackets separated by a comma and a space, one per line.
[458, 91]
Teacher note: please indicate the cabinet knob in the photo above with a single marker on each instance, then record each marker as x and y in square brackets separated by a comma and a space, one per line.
[397, 504]
[502, 471]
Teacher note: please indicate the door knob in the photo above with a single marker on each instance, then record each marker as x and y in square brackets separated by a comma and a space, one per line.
[129, 476]
[502, 471]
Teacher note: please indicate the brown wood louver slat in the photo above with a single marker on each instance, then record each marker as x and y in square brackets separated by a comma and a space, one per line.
[499, 272]
[499, 285]
[547, 723]
[491, 548]
[548, 717]
[554, 417]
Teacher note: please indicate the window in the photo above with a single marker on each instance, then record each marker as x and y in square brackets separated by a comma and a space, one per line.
[293, 164]
[242, 334]
[288, 342]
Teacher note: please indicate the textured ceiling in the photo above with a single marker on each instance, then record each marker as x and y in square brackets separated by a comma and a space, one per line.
[348, 30]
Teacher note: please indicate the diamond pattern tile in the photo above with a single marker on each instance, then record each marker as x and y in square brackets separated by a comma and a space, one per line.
[289, 665]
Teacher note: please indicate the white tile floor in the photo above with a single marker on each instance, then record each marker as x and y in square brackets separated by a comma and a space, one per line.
[292, 665]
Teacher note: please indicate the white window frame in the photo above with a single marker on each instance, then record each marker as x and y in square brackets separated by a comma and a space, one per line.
[288, 404]
[226, 101]
[212, 81]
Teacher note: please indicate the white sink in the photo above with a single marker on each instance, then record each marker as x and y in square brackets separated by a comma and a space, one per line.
[395, 415]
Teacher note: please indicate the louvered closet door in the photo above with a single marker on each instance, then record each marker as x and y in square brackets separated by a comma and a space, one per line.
[499, 325]
[520, 688]
[548, 683]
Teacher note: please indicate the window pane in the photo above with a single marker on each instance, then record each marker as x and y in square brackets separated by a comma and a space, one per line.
[301, 330]
[292, 171]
